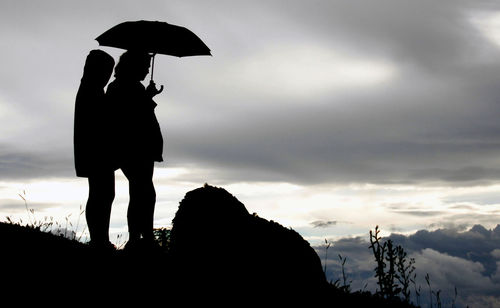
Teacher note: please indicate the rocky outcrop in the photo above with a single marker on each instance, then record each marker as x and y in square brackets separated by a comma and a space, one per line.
[218, 244]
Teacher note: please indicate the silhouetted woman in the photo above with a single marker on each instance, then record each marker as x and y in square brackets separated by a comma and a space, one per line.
[92, 145]
[139, 142]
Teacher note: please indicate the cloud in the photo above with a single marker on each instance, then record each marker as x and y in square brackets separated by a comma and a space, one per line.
[17, 206]
[302, 71]
[433, 35]
[496, 253]
[488, 23]
[482, 198]
[466, 220]
[18, 164]
[412, 130]
[465, 259]
[267, 106]
[421, 213]
[359, 265]
[466, 174]
[475, 244]
[447, 272]
[323, 224]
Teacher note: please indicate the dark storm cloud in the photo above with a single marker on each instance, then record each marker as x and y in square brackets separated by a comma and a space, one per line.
[434, 122]
[466, 174]
[389, 141]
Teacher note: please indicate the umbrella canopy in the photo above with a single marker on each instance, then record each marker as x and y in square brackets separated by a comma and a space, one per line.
[154, 37]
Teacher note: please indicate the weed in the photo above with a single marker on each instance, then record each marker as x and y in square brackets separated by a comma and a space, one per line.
[162, 237]
[384, 251]
[417, 291]
[453, 302]
[395, 272]
[327, 245]
[48, 224]
[345, 286]
[405, 270]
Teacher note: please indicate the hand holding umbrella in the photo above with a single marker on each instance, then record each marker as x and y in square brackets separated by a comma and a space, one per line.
[151, 89]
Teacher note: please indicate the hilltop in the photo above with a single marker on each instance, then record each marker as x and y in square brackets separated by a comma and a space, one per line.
[217, 252]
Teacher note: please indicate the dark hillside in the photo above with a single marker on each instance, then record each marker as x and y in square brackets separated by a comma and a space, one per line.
[217, 253]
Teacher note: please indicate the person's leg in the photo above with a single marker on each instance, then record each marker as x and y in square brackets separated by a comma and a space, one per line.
[142, 193]
[98, 208]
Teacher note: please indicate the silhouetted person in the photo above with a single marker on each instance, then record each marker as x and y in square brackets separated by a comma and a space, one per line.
[92, 148]
[138, 140]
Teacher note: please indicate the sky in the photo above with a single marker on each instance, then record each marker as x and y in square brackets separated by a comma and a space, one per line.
[327, 116]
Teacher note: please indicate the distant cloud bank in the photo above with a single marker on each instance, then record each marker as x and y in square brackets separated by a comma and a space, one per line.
[468, 260]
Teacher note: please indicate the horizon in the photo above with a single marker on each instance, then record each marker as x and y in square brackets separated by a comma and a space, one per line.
[327, 117]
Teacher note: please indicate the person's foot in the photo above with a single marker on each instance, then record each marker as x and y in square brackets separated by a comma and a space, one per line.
[133, 245]
[142, 246]
[102, 246]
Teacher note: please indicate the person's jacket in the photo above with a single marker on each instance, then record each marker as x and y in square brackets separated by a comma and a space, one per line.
[92, 136]
[137, 134]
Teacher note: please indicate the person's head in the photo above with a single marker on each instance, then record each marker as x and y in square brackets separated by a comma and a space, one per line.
[133, 65]
[98, 68]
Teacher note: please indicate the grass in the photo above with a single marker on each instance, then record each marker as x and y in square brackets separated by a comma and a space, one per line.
[50, 225]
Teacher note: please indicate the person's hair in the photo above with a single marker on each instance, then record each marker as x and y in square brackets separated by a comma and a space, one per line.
[130, 62]
[98, 66]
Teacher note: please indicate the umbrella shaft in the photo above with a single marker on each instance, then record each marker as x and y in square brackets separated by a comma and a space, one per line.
[152, 66]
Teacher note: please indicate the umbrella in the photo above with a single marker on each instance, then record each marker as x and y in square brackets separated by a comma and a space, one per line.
[154, 37]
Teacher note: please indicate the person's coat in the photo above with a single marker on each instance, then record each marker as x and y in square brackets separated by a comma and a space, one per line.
[136, 128]
[93, 152]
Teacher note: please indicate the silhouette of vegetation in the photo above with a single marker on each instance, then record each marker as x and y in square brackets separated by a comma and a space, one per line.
[386, 257]
[346, 286]
[395, 272]
[49, 224]
[162, 237]
[326, 253]
[405, 270]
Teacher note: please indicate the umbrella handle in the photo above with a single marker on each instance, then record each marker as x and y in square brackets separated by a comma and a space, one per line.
[152, 85]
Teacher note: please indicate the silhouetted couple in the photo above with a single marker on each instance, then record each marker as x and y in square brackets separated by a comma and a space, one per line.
[117, 130]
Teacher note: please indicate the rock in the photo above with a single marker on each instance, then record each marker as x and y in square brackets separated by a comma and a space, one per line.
[218, 245]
